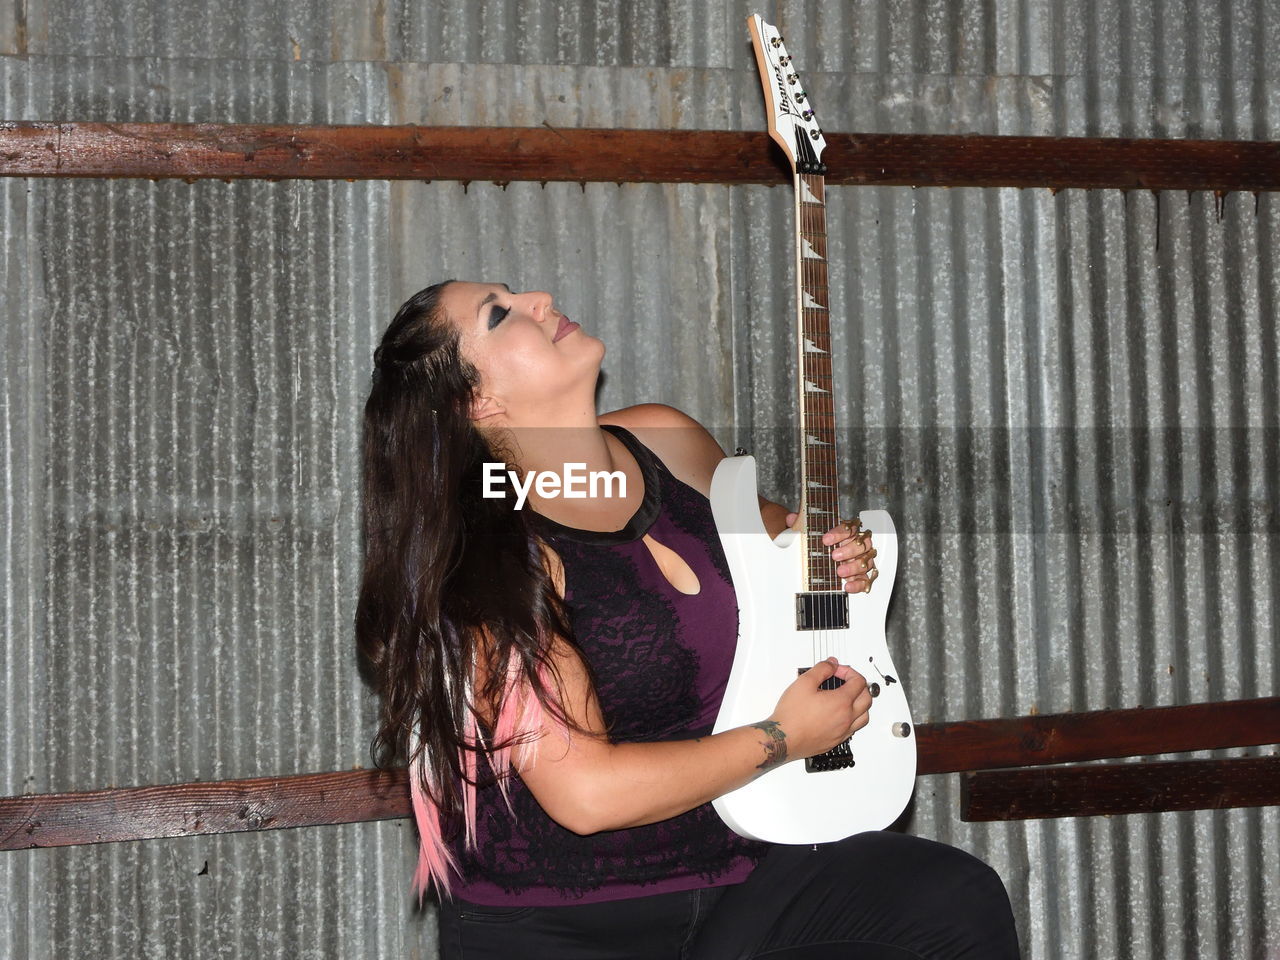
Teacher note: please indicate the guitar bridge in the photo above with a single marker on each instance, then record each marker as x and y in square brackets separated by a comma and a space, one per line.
[839, 757]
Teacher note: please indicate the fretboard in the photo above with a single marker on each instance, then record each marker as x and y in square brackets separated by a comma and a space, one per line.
[820, 492]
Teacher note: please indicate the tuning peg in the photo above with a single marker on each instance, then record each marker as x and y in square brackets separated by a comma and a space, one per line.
[776, 41]
[800, 97]
[815, 134]
[808, 114]
[783, 61]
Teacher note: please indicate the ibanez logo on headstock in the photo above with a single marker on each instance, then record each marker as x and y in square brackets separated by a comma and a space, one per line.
[791, 119]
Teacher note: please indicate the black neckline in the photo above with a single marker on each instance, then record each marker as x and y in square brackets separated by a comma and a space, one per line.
[645, 514]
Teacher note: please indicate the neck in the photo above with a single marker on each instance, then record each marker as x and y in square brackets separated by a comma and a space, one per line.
[576, 438]
[549, 448]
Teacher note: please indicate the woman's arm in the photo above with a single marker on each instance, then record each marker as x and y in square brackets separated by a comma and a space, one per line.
[588, 784]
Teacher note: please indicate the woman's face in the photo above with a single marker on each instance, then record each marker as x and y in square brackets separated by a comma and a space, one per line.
[528, 377]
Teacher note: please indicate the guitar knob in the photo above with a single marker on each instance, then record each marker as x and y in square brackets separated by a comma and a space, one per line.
[874, 688]
[901, 729]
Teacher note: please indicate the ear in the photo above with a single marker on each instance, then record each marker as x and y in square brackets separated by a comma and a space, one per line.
[485, 408]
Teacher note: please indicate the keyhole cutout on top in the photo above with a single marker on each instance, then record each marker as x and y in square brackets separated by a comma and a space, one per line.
[678, 573]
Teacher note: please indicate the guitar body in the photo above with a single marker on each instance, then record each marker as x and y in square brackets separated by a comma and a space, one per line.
[791, 804]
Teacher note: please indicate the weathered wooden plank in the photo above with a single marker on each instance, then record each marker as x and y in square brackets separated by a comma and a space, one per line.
[187, 809]
[1118, 788]
[1096, 735]
[268, 803]
[367, 152]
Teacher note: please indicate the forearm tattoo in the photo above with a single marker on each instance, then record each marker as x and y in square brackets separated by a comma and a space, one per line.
[775, 751]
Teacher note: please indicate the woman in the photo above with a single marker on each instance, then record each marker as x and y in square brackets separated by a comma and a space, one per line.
[553, 672]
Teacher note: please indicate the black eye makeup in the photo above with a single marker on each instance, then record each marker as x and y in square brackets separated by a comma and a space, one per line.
[497, 314]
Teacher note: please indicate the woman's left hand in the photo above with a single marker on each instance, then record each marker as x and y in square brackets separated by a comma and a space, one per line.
[852, 547]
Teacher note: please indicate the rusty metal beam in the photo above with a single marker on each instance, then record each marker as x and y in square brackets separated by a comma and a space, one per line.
[194, 151]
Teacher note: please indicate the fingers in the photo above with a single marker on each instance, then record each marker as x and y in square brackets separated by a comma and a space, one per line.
[823, 671]
[859, 573]
[854, 553]
[850, 539]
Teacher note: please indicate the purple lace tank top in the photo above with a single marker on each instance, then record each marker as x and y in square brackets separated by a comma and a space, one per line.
[661, 659]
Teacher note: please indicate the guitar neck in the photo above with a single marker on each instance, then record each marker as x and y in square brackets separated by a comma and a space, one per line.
[819, 489]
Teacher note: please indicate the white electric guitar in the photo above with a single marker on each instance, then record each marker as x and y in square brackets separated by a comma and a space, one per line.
[794, 611]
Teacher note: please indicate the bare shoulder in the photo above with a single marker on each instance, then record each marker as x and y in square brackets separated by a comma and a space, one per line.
[684, 445]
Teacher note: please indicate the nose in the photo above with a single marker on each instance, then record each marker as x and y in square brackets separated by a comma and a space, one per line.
[542, 305]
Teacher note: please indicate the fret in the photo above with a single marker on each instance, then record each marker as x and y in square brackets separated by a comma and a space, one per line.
[807, 250]
[807, 194]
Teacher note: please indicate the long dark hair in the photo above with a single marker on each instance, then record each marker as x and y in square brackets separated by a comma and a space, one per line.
[449, 577]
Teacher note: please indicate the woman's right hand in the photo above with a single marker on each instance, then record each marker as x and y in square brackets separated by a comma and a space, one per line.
[815, 720]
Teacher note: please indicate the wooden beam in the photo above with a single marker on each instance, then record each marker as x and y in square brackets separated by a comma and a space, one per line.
[269, 803]
[194, 151]
[1096, 735]
[188, 809]
[1117, 788]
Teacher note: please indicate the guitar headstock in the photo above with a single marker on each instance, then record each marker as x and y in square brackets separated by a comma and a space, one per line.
[791, 119]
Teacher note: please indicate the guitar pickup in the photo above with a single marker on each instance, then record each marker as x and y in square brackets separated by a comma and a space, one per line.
[822, 611]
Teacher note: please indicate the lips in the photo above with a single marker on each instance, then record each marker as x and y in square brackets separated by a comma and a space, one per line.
[566, 327]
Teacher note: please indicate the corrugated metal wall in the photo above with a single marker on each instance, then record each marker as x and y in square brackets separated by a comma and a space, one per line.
[1069, 403]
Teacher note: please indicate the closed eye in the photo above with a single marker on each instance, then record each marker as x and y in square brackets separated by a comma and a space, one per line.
[497, 314]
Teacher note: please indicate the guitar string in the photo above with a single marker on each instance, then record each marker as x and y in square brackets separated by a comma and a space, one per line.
[810, 207]
[804, 214]
[810, 315]
[819, 278]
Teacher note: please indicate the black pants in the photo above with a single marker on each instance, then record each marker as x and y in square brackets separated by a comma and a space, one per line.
[874, 896]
